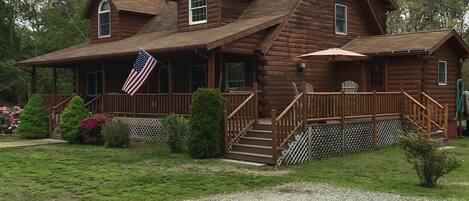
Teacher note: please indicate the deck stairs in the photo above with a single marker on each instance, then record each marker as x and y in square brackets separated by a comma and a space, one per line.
[255, 146]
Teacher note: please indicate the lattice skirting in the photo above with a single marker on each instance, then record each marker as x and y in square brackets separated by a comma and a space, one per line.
[335, 139]
[145, 130]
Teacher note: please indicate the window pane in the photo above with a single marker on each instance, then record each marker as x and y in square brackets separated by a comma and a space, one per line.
[340, 12]
[340, 26]
[105, 6]
[199, 14]
[104, 24]
[91, 84]
[99, 83]
[164, 81]
[198, 76]
[104, 18]
[198, 3]
[442, 73]
[235, 75]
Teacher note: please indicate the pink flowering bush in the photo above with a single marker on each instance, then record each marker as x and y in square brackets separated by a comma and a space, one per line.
[9, 119]
[90, 129]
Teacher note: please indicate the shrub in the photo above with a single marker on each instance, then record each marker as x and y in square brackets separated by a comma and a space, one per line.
[90, 129]
[116, 133]
[9, 119]
[206, 123]
[176, 127]
[71, 118]
[34, 120]
[429, 162]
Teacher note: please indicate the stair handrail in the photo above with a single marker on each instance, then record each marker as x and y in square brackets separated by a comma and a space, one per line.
[95, 101]
[56, 110]
[241, 119]
[281, 133]
[439, 113]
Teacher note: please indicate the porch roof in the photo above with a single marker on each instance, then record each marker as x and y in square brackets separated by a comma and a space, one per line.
[159, 42]
[405, 44]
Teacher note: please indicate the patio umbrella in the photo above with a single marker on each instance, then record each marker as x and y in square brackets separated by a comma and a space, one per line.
[337, 55]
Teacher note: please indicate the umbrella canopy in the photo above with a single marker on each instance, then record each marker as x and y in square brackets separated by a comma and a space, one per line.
[337, 55]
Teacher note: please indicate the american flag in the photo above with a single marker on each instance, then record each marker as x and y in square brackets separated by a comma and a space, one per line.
[142, 68]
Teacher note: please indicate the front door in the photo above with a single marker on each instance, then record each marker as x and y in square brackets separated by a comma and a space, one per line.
[376, 76]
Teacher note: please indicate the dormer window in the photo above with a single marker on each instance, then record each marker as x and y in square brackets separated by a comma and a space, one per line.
[197, 12]
[104, 19]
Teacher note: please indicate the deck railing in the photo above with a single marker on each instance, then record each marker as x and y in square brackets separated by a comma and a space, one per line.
[55, 114]
[154, 105]
[241, 119]
[340, 106]
[51, 100]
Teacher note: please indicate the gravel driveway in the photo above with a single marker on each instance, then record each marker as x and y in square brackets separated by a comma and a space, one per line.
[310, 191]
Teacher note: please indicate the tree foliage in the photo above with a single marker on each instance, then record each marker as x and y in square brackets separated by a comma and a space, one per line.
[34, 120]
[424, 15]
[71, 118]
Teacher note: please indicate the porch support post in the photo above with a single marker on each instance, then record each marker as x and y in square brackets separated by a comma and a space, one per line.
[54, 77]
[386, 75]
[76, 82]
[170, 83]
[211, 70]
[33, 81]
[54, 85]
[363, 76]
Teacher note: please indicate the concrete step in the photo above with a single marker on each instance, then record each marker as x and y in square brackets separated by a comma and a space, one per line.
[266, 150]
[252, 157]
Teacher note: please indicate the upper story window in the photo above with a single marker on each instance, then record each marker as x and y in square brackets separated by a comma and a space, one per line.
[197, 12]
[104, 19]
[442, 72]
[340, 19]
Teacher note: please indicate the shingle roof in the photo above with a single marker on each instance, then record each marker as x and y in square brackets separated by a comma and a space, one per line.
[159, 42]
[160, 34]
[410, 43]
[149, 7]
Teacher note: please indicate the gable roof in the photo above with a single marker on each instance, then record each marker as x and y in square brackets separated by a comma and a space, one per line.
[148, 7]
[409, 43]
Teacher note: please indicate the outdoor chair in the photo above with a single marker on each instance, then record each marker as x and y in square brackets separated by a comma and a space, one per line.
[349, 87]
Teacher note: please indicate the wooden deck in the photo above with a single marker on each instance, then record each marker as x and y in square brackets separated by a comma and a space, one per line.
[262, 140]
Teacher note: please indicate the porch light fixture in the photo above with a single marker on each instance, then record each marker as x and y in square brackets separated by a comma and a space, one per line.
[300, 65]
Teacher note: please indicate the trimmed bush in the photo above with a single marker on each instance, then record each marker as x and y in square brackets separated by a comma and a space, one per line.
[206, 123]
[71, 118]
[429, 162]
[90, 129]
[34, 120]
[116, 133]
[176, 127]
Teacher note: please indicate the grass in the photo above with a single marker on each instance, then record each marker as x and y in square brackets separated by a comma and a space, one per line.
[73, 172]
[9, 138]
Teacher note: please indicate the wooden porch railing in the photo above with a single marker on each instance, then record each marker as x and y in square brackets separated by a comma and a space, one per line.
[51, 100]
[151, 105]
[340, 106]
[240, 120]
[437, 114]
[55, 114]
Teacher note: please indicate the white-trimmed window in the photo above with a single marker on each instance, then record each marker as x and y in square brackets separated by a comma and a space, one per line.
[341, 19]
[197, 12]
[442, 73]
[198, 76]
[94, 83]
[235, 75]
[104, 19]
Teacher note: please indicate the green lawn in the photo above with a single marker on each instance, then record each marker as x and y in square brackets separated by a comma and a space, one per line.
[72, 172]
[9, 138]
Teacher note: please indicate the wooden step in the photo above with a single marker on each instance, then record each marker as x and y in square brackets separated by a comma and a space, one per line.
[259, 133]
[266, 127]
[266, 150]
[256, 141]
[252, 157]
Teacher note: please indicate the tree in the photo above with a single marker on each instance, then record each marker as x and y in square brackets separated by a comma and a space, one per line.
[34, 120]
[424, 15]
[71, 118]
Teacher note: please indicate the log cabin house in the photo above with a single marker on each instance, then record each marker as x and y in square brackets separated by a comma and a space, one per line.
[248, 49]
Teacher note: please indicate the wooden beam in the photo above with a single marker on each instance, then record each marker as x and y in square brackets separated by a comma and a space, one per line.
[211, 70]
[170, 82]
[54, 78]
[33, 81]
[363, 76]
[375, 17]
